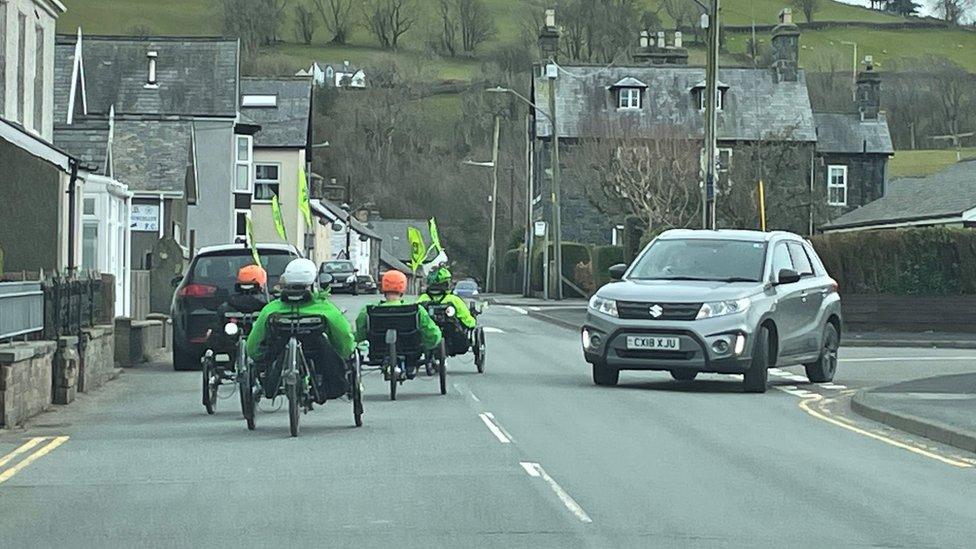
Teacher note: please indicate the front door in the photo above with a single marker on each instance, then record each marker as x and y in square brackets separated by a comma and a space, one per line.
[790, 305]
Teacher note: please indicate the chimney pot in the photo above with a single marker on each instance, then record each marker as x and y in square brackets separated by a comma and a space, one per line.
[678, 39]
[550, 18]
[786, 16]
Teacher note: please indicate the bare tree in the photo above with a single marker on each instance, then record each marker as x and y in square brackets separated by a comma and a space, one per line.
[954, 90]
[337, 17]
[389, 20]
[808, 7]
[954, 11]
[476, 23]
[305, 24]
[655, 180]
[254, 22]
[447, 40]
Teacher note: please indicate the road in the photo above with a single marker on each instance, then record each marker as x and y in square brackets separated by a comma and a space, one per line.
[531, 454]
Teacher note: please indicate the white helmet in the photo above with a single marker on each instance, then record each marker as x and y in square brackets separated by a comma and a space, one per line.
[299, 272]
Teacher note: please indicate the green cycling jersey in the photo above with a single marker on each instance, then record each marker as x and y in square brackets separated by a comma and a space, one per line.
[337, 327]
[430, 333]
[460, 307]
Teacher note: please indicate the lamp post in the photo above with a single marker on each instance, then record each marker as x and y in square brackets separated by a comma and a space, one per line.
[552, 71]
[491, 275]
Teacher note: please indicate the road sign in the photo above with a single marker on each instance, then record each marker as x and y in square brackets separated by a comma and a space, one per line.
[145, 217]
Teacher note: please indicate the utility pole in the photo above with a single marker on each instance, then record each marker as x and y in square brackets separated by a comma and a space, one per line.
[711, 117]
[529, 196]
[552, 71]
[348, 214]
[490, 277]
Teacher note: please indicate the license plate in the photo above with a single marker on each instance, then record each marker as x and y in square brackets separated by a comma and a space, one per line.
[653, 343]
[221, 357]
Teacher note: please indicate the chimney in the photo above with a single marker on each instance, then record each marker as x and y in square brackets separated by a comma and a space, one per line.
[549, 37]
[868, 91]
[786, 48]
[658, 52]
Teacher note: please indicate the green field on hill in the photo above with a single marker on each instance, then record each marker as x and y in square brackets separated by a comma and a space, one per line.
[925, 162]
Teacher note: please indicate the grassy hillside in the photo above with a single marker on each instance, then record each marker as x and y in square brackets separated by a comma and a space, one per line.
[925, 162]
[512, 18]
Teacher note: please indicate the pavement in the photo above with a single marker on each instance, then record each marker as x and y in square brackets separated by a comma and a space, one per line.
[530, 454]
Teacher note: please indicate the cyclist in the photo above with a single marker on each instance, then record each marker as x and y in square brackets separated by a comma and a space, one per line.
[327, 352]
[439, 292]
[251, 294]
[393, 286]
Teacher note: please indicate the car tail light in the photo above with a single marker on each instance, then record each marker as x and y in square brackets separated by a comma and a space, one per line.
[197, 290]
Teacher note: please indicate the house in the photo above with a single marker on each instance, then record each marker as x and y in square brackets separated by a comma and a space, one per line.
[282, 107]
[659, 93]
[106, 235]
[340, 235]
[946, 198]
[158, 114]
[41, 185]
[395, 251]
[335, 75]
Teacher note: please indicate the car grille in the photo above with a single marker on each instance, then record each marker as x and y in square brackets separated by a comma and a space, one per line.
[669, 311]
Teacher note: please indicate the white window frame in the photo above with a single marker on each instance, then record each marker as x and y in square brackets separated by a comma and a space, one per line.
[831, 186]
[247, 163]
[719, 94]
[254, 198]
[259, 101]
[633, 99]
[238, 211]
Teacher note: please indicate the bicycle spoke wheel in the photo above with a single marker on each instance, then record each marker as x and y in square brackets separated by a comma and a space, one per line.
[442, 367]
[357, 395]
[209, 387]
[291, 388]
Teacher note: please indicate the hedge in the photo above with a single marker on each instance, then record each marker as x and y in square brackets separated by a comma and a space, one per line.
[927, 261]
[605, 257]
[573, 253]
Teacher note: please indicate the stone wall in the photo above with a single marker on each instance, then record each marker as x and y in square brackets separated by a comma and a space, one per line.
[64, 381]
[98, 360]
[25, 380]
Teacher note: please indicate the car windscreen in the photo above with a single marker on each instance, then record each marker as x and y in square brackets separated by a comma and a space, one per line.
[219, 269]
[466, 285]
[701, 259]
[337, 267]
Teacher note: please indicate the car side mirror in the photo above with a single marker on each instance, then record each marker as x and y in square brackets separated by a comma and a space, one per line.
[325, 280]
[617, 271]
[176, 281]
[787, 276]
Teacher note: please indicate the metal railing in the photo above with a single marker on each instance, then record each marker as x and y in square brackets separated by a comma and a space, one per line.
[21, 309]
[70, 304]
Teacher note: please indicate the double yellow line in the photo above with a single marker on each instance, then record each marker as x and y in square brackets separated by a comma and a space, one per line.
[52, 443]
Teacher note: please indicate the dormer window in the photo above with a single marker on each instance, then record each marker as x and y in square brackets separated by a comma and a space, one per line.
[698, 92]
[151, 77]
[629, 92]
[629, 98]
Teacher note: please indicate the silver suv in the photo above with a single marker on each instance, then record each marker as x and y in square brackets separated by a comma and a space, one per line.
[716, 301]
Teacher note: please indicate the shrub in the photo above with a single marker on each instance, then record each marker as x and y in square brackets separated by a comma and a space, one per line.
[573, 253]
[605, 257]
[927, 261]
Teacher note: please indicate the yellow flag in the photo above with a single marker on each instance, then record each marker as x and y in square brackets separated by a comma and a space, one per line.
[278, 221]
[418, 250]
[250, 240]
[303, 202]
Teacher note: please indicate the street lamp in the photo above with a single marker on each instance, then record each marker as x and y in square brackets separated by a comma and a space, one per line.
[491, 275]
[552, 71]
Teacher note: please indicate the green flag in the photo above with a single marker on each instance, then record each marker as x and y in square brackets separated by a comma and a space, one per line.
[250, 240]
[418, 250]
[278, 221]
[303, 203]
[435, 239]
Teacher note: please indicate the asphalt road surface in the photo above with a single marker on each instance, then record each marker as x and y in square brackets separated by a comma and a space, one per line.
[531, 454]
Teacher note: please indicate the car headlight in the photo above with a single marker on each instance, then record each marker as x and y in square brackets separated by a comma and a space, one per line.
[450, 311]
[723, 308]
[350, 279]
[602, 305]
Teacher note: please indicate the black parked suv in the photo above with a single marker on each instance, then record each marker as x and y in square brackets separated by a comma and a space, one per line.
[206, 285]
[736, 302]
[344, 276]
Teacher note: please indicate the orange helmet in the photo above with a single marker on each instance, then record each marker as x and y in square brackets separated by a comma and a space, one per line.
[394, 282]
[252, 274]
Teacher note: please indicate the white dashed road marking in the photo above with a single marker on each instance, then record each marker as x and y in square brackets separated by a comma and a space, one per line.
[493, 330]
[518, 310]
[834, 386]
[535, 470]
[489, 419]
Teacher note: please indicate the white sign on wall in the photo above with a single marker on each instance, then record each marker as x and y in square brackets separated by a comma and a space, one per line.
[145, 217]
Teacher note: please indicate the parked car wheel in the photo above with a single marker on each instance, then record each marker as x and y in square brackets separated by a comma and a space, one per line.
[604, 375]
[755, 378]
[684, 375]
[184, 360]
[825, 367]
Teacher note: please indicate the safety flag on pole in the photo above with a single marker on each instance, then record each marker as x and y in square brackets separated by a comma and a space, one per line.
[435, 238]
[418, 251]
[278, 221]
[250, 240]
[304, 205]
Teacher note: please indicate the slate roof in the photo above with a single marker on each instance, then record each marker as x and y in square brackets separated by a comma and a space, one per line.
[846, 133]
[287, 124]
[394, 235]
[195, 76]
[334, 212]
[87, 141]
[755, 105]
[948, 193]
